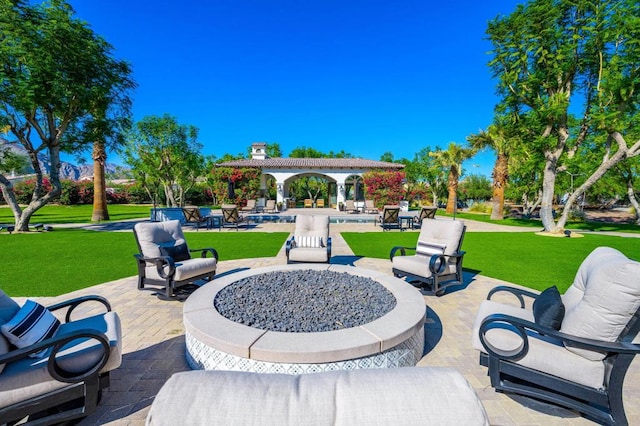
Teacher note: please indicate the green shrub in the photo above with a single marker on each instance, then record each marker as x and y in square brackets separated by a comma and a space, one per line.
[484, 207]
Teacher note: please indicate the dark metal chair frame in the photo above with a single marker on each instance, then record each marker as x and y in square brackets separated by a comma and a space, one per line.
[75, 401]
[231, 217]
[168, 282]
[439, 280]
[425, 213]
[192, 215]
[390, 218]
[604, 406]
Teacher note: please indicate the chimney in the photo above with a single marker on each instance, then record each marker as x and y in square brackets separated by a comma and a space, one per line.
[259, 150]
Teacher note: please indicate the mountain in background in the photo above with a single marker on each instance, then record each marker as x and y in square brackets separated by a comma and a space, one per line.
[67, 170]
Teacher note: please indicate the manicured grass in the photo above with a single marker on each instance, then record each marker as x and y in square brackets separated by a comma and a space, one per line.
[79, 213]
[525, 258]
[64, 260]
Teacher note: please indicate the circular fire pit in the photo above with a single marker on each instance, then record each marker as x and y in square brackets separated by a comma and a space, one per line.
[215, 342]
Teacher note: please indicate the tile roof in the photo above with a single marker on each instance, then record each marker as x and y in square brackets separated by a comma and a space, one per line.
[312, 163]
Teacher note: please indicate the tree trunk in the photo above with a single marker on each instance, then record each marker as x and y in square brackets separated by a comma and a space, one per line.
[634, 201]
[10, 197]
[500, 177]
[452, 186]
[100, 210]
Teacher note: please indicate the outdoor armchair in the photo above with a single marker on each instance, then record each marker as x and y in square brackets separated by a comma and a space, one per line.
[572, 349]
[320, 203]
[311, 241]
[54, 376]
[390, 218]
[230, 216]
[425, 213]
[165, 259]
[250, 207]
[192, 216]
[437, 261]
[308, 203]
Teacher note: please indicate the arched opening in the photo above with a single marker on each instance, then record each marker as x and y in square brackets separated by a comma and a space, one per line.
[311, 190]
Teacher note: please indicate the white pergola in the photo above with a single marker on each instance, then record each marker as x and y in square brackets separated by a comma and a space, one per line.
[338, 171]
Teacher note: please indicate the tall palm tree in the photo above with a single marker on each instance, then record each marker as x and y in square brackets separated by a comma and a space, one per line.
[452, 159]
[495, 138]
[99, 155]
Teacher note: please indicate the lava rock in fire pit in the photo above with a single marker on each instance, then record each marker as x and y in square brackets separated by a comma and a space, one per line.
[304, 301]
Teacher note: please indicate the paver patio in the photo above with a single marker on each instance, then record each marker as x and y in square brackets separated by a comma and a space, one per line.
[154, 348]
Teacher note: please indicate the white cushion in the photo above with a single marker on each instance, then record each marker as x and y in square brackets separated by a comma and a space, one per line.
[429, 248]
[548, 355]
[312, 226]
[185, 269]
[334, 398]
[31, 324]
[441, 232]
[611, 296]
[308, 254]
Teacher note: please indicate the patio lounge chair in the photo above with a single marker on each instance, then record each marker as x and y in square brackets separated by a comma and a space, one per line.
[165, 259]
[311, 241]
[270, 206]
[250, 207]
[350, 207]
[390, 218]
[55, 377]
[438, 259]
[370, 207]
[192, 216]
[230, 216]
[573, 349]
[308, 203]
[425, 213]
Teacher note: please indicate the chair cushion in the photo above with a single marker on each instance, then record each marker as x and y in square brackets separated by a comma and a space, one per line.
[419, 265]
[177, 252]
[29, 377]
[446, 233]
[547, 355]
[548, 310]
[308, 241]
[33, 323]
[312, 226]
[186, 269]
[611, 296]
[308, 254]
[153, 234]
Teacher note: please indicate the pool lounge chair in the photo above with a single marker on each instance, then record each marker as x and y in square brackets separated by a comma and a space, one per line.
[350, 207]
[250, 207]
[370, 207]
[270, 207]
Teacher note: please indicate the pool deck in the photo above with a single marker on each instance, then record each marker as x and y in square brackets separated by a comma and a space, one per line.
[154, 344]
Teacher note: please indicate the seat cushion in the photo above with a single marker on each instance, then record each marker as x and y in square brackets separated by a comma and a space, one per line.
[610, 287]
[308, 254]
[186, 269]
[336, 398]
[29, 377]
[546, 355]
[151, 235]
[419, 265]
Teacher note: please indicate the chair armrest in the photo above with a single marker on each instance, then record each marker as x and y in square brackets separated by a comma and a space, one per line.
[57, 343]
[329, 247]
[291, 243]
[204, 251]
[403, 251]
[74, 303]
[520, 326]
[160, 262]
[518, 293]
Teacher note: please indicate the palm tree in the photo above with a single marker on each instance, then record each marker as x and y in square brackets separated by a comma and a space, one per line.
[452, 159]
[494, 138]
[99, 155]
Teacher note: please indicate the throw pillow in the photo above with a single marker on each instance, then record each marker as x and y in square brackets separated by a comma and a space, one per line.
[32, 324]
[548, 309]
[307, 241]
[178, 252]
[429, 249]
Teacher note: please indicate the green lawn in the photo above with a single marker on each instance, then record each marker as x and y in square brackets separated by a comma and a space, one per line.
[64, 260]
[527, 259]
[79, 213]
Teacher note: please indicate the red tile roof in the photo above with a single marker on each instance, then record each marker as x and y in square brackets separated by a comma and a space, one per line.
[312, 163]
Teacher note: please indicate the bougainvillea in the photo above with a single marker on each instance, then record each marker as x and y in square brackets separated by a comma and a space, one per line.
[246, 184]
[384, 187]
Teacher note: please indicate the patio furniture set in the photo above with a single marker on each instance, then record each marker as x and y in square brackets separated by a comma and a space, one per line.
[571, 350]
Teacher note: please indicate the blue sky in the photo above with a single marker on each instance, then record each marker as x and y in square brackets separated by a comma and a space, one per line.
[361, 76]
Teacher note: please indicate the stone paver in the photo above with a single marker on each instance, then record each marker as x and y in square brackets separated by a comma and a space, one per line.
[154, 346]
